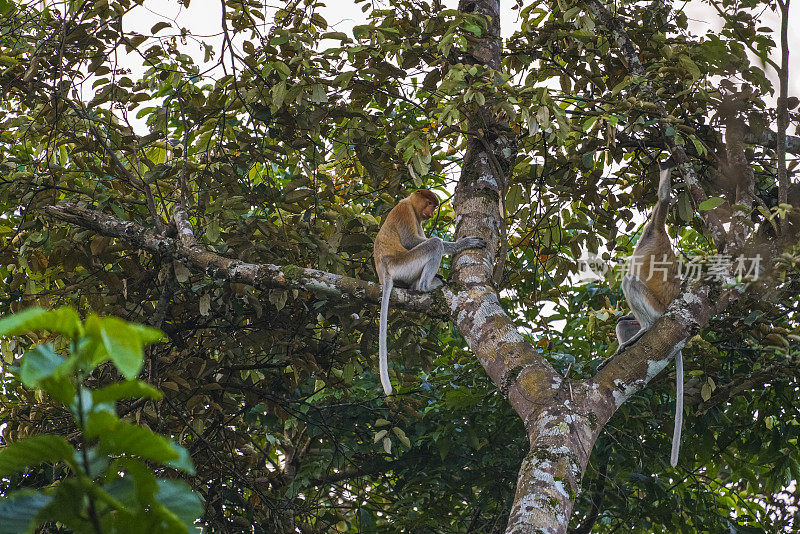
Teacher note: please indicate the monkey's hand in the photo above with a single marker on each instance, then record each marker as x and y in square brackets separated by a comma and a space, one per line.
[471, 242]
[436, 283]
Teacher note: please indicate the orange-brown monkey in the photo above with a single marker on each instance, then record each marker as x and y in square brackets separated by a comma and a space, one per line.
[651, 283]
[403, 254]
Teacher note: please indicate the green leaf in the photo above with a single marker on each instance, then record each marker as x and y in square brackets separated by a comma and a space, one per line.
[124, 490]
[178, 498]
[136, 473]
[147, 335]
[34, 451]
[18, 511]
[158, 26]
[710, 204]
[129, 389]
[62, 320]
[626, 81]
[123, 344]
[684, 207]
[401, 435]
[278, 94]
[473, 29]
[43, 368]
[184, 461]
[135, 41]
[118, 437]
[38, 364]
[690, 66]
[318, 94]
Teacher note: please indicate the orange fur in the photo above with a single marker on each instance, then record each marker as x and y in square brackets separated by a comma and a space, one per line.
[402, 228]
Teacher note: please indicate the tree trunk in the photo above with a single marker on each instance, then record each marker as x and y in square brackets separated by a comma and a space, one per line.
[562, 436]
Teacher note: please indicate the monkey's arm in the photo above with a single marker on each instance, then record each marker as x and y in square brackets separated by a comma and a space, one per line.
[410, 241]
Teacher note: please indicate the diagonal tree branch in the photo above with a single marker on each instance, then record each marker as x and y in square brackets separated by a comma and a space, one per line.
[259, 275]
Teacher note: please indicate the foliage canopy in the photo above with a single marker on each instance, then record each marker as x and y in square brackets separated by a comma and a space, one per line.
[288, 143]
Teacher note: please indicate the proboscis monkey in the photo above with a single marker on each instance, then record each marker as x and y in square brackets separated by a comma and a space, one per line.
[651, 283]
[403, 254]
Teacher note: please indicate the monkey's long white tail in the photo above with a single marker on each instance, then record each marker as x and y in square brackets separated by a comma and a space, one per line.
[676, 433]
[383, 357]
[664, 184]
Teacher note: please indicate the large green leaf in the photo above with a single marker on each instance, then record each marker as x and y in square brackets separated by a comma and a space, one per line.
[178, 498]
[18, 511]
[118, 437]
[34, 451]
[43, 368]
[62, 320]
[147, 335]
[126, 390]
[123, 344]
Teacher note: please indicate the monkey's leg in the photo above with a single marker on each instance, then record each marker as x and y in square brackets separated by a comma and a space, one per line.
[646, 307]
[413, 265]
[434, 249]
[429, 280]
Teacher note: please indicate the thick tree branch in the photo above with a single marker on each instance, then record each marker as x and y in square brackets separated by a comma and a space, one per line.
[631, 370]
[740, 174]
[259, 275]
[559, 427]
[517, 369]
[783, 109]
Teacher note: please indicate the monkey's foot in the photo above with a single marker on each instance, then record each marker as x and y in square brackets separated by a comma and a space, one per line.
[605, 362]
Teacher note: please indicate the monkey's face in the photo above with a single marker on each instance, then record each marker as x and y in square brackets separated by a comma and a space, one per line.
[428, 209]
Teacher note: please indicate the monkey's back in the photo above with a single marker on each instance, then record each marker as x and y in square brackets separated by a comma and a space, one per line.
[654, 262]
[388, 242]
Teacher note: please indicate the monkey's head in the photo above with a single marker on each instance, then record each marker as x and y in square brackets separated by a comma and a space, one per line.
[627, 326]
[425, 203]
